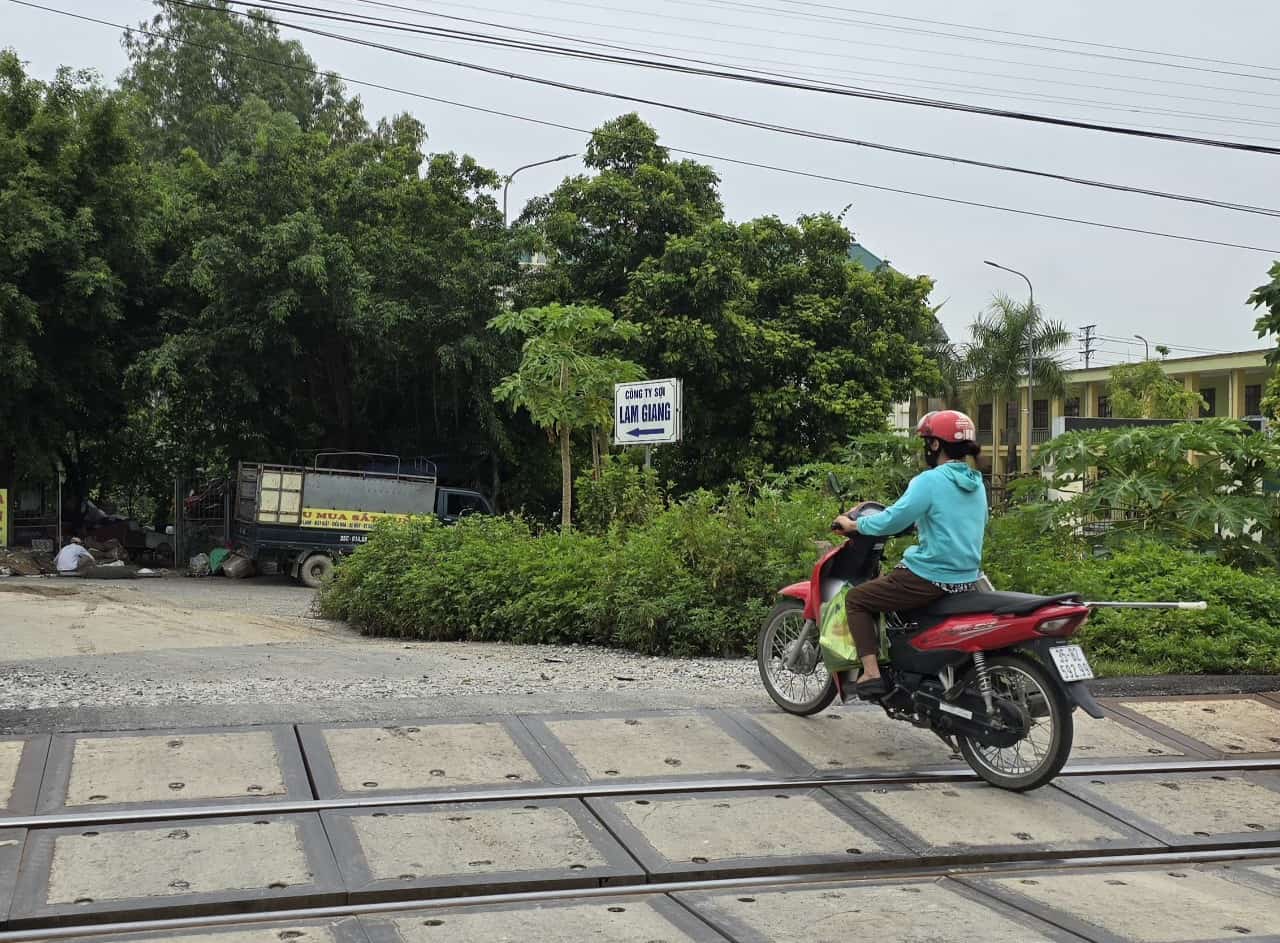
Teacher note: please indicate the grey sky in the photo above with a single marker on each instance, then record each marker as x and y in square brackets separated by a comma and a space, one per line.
[1172, 292]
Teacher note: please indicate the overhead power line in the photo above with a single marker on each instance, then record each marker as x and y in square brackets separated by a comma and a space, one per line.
[812, 175]
[1056, 39]
[811, 53]
[282, 6]
[867, 24]
[934, 54]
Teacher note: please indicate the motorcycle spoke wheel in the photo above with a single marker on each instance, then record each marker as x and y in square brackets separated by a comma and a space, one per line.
[1030, 698]
[805, 688]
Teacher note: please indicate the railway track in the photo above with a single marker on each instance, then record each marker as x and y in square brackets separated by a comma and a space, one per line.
[966, 863]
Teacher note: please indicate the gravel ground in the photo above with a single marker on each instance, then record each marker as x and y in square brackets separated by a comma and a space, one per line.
[119, 654]
[177, 641]
[289, 673]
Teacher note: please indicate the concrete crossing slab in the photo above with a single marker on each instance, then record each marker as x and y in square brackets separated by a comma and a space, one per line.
[340, 930]
[1115, 738]
[437, 756]
[1216, 726]
[1188, 808]
[475, 847]
[1267, 873]
[22, 761]
[1150, 905]
[172, 869]
[11, 844]
[187, 767]
[649, 919]
[682, 836]
[940, 820]
[641, 747]
[910, 911]
[855, 739]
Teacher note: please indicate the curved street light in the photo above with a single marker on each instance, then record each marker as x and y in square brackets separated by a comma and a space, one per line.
[510, 176]
[1031, 323]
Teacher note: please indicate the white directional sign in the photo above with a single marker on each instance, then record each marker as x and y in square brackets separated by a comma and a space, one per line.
[647, 413]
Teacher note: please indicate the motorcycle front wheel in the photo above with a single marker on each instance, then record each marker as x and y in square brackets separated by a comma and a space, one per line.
[1027, 693]
[791, 663]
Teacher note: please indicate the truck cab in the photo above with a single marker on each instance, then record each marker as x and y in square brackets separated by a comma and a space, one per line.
[453, 504]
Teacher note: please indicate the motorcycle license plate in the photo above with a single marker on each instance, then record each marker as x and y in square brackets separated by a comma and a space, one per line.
[1071, 663]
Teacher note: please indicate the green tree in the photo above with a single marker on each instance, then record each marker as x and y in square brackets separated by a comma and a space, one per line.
[599, 228]
[195, 67]
[327, 294]
[786, 347]
[566, 376]
[1144, 391]
[1002, 342]
[1268, 325]
[74, 257]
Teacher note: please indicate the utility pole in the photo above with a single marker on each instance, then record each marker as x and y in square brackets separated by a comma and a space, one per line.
[1087, 338]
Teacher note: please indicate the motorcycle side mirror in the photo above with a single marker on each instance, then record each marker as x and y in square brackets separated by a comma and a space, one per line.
[834, 484]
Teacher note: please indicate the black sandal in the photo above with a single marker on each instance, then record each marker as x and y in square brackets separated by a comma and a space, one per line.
[871, 690]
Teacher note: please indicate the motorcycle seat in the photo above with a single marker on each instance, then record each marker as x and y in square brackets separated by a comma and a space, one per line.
[999, 604]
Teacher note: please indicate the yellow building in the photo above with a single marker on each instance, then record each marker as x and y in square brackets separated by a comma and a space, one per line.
[1232, 384]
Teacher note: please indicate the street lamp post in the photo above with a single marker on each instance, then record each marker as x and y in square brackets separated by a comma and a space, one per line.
[1031, 354]
[1146, 346]
[510, 176]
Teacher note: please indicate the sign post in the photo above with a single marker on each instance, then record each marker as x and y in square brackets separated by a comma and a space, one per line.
[4, 517]
[648, 413]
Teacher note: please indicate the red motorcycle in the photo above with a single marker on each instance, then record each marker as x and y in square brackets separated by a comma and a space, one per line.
[993, 674]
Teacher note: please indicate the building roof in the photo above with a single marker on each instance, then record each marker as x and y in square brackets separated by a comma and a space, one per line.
[1232, 360]
[868, 260]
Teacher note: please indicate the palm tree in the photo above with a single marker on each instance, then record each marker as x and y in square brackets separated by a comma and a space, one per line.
[1002, 339]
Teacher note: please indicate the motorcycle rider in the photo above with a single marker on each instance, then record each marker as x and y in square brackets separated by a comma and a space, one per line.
[948, 504]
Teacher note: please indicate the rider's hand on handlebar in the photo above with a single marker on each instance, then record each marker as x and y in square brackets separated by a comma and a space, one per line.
[845, 525]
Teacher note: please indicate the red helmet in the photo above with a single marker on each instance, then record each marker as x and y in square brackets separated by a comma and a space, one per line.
[949, 425]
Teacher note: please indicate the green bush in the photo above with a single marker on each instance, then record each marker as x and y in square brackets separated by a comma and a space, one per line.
[696, 580]
[624, 495]
[698, 576]
[1238, 633]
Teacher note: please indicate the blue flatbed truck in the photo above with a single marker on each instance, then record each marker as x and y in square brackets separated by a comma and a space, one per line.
[305, 518]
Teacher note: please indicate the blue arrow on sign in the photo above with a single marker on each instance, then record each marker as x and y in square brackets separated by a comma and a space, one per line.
[636, 433]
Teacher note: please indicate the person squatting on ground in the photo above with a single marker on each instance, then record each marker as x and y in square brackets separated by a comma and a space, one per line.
[948, 505]
[73, 558]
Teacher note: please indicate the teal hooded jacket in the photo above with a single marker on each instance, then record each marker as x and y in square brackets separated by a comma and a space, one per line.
[948, 505]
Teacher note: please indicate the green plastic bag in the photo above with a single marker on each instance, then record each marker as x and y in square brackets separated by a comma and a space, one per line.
[834, 638]
[839, 653]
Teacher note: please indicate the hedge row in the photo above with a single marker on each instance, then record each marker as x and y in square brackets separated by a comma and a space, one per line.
[698, 577]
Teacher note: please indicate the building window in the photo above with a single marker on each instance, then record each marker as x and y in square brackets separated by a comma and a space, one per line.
[1012, 421]
[1104, 407]
[1253, 399]
[984, 417]
[1040, 414]
[1211, 398]
[1071, 407]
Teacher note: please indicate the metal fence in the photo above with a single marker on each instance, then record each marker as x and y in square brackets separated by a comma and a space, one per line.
[203, 521]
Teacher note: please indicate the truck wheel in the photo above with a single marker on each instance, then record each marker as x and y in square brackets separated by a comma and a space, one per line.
[316, 570]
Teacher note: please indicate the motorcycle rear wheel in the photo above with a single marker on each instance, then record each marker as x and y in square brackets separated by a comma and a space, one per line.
[1040, 755]
[806, 690]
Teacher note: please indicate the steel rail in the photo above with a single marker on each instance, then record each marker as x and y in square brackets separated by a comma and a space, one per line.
[140, 814]
[950, 774]
[894, 871]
